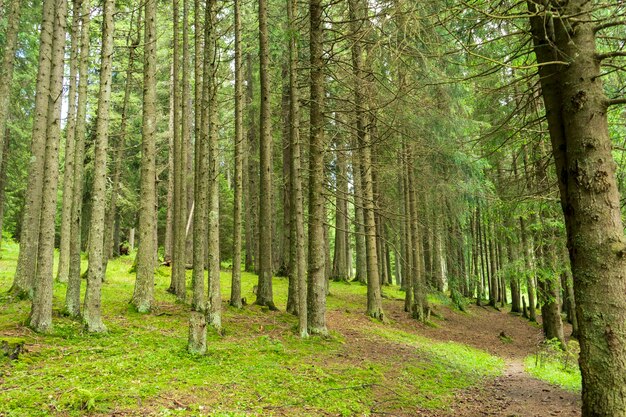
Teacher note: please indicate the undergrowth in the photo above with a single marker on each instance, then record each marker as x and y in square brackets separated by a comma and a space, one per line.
[260, 367]
[555, 365]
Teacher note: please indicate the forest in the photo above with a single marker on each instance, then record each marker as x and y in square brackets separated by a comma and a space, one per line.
[312, 208]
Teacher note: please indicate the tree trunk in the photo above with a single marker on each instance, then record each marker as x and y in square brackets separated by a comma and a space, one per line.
[143, 295]
[41, 313]
[340, 270]
[14, 8]
[252, 177]
[110, 242]
[214, 310]
[63, 269]
[359, 220]
[235, 294]
[92, 315]
[72, 295]
[197, 321]
[3, 178]
[590, 199]
[265, 294]
[298, 263]
[29, 238]
[317, 258]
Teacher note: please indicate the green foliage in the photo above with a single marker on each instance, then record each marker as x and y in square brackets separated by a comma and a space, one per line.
[259, 366]
[555, 365]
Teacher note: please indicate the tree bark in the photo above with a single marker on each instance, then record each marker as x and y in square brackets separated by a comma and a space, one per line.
[72, 295]
[581, 145]
[41, 312]
[317, 147]
[214, 308]
[143, 295]
[29, 239]
[63, 269]
[235, 294]
[298, 263]
[92, 315]
[197, 321]
[265, 294]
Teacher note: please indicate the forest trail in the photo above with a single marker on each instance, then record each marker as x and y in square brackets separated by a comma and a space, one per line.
[513, 394]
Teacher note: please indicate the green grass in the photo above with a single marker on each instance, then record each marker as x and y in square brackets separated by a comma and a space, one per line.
[260, 367]
[556, 367]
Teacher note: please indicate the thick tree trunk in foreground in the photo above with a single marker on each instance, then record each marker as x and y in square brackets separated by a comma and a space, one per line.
[576, 109]
[143, 295]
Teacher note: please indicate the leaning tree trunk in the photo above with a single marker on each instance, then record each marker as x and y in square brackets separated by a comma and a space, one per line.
[92, 314]
[590, 199]
[143, 295]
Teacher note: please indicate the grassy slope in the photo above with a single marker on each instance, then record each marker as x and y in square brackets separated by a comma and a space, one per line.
[258, 368]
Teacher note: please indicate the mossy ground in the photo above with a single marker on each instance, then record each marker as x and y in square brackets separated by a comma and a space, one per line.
[259, 367]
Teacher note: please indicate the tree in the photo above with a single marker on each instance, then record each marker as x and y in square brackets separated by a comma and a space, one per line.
[143, 295]
[235, 295]
[297, 252]
[40, 318]
[72, 295]
[317, 146]
[92, 316]
[564, 38]
[265, 296]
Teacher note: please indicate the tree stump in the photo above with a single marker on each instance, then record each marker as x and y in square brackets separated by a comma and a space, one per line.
[11, 347]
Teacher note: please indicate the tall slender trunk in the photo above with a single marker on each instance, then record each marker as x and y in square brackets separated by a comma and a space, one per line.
[265, 294]
[317, 146]
[92, 314]
[340, 257]
[63, 269]
[143, 295]
[72, 295]
[252, 177]
[41, 312]
[197, 320]
[298, 263]
[29, 238]
[3, 177]
[14, 8]
[359, 220]
[235, 294]
[110, 246]
[214, 310]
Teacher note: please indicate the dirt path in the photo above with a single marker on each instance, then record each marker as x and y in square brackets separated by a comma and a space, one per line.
[514, 394]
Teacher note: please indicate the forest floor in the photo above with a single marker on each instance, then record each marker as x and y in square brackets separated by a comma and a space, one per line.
[457, 365]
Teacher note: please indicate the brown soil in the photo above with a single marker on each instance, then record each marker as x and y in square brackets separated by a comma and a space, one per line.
[514, 394]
